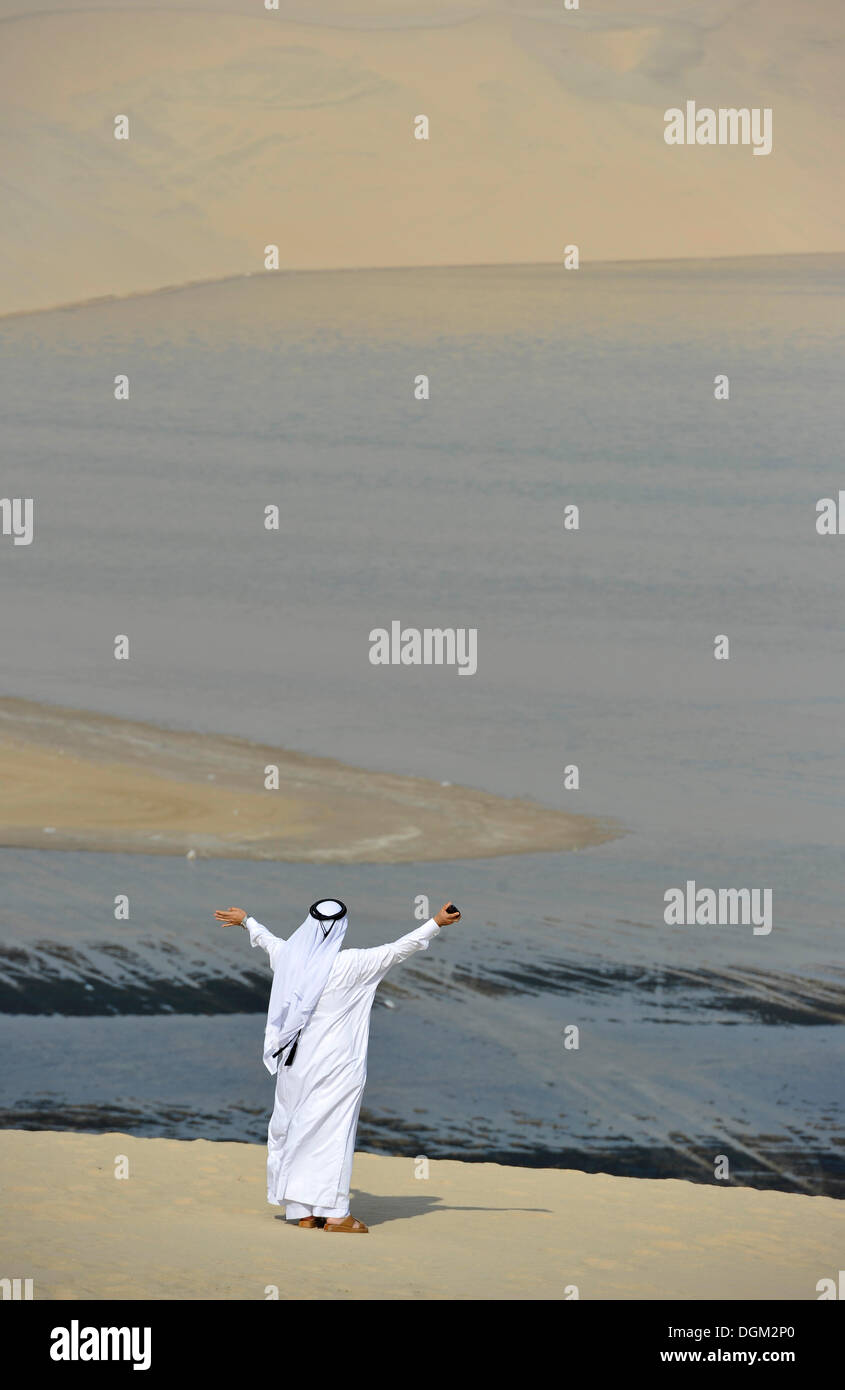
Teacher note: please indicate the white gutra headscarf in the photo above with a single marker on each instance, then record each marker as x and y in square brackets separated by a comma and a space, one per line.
[300, 976]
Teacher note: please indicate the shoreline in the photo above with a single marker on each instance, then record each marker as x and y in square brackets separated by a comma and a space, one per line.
[189, 1220]
[78, 780]
[210, 282]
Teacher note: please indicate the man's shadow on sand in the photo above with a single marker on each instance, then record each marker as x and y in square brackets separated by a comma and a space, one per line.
[377, 1211]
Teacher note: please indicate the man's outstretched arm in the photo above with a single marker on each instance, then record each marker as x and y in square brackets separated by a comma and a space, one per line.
[376, 962]
[258, 935]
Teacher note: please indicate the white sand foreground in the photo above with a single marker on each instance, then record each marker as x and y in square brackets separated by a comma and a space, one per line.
[191, 1222]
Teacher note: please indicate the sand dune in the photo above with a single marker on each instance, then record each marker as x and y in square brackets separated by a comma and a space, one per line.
[191, 1222]
[249, 127]
[74, 780]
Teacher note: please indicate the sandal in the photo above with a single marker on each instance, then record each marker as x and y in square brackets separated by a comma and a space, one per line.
[310, 1222]
[349, 1223]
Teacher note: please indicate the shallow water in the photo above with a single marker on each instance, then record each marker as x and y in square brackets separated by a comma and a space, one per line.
[595, 648]
[155, 1025]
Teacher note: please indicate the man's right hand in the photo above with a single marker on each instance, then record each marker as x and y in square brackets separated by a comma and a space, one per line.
[230, 916]
[444, 918]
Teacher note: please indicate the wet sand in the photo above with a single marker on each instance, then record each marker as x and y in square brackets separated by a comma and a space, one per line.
[191, 1222]
[81, 781]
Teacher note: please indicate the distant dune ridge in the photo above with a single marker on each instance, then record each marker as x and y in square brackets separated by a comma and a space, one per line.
[295, 127]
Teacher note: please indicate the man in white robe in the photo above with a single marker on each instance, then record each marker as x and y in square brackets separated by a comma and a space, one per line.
[320, 1080]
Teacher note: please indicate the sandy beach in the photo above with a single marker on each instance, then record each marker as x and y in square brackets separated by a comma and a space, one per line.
[191, 1222]
[82, 781]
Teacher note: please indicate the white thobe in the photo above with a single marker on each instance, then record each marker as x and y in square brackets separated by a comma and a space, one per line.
[311, 1135]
